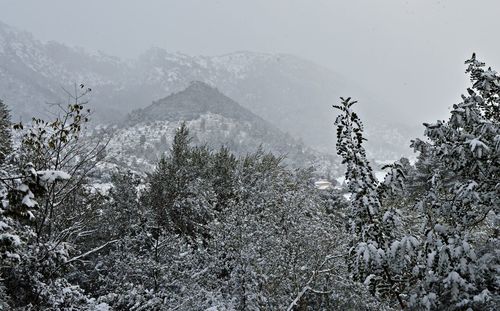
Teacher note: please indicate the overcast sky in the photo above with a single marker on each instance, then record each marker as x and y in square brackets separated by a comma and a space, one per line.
[408, 53]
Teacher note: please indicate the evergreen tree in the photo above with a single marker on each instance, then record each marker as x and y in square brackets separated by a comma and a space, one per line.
[443, 254]
[458, 173]
[180, 193]
[5, 135]
[373, 225]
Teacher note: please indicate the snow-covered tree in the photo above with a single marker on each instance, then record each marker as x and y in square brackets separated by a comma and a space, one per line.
[374, 225]
[5, 134]
[180, 193]
[426, 237]
[458, 174]
[44, 202]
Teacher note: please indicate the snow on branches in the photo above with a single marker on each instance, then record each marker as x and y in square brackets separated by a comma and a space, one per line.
[444, 251]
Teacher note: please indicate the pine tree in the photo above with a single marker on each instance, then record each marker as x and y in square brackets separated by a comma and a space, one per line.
[180, 193]
[223, 180]
[5, 135]
[444, 253]
[373, 225]
[458, 173]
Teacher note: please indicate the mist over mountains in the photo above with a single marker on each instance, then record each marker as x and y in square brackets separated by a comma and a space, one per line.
[214, 120]
[293, 94]
[191, 103]
[244, 180]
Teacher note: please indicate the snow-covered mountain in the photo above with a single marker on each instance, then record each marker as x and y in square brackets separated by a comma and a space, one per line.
[213, 119]
[293, 94]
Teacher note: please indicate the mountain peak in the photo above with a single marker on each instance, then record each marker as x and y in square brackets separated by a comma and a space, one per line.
[200, 86]
[197, 99]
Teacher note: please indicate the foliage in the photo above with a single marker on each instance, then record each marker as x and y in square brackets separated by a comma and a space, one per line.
[44, 206]
[5, 135]
[209, 230]
[444, 253]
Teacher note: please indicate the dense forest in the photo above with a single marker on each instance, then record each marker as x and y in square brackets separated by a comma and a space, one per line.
[211, 230]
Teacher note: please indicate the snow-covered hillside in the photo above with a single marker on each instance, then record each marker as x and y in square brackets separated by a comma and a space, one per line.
[293, 94]
[213, 119]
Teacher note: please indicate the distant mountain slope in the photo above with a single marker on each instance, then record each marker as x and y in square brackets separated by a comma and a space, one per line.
[213, 119]
[293, 94]
[32, 73]
[189, 104]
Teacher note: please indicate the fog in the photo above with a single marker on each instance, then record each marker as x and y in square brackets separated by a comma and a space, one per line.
[408, 53]
[185, 155]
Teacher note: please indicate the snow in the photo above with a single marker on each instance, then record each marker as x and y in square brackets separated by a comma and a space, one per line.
[23, 188]
[102, 307]
[340, 180]
[323, 184]
[368, 279]
[387, 215]
[385, 162]
[50, 176]
[483, 296]
[380, 176]
[440, 228]
[394, 248]
[13, 256]
[454, 277]
[3, 226]
[31, 217]
[476, 143]
[427, 300]
[12, 238]
[28, 200]
[101, 188]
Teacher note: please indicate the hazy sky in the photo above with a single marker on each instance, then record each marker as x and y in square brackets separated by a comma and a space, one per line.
[408, 53]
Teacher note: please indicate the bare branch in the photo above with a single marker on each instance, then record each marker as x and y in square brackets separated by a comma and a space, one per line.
[90, 252]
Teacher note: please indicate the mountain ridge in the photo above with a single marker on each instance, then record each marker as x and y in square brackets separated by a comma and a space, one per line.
[189, 104]
[293, 94]
[214, 120]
